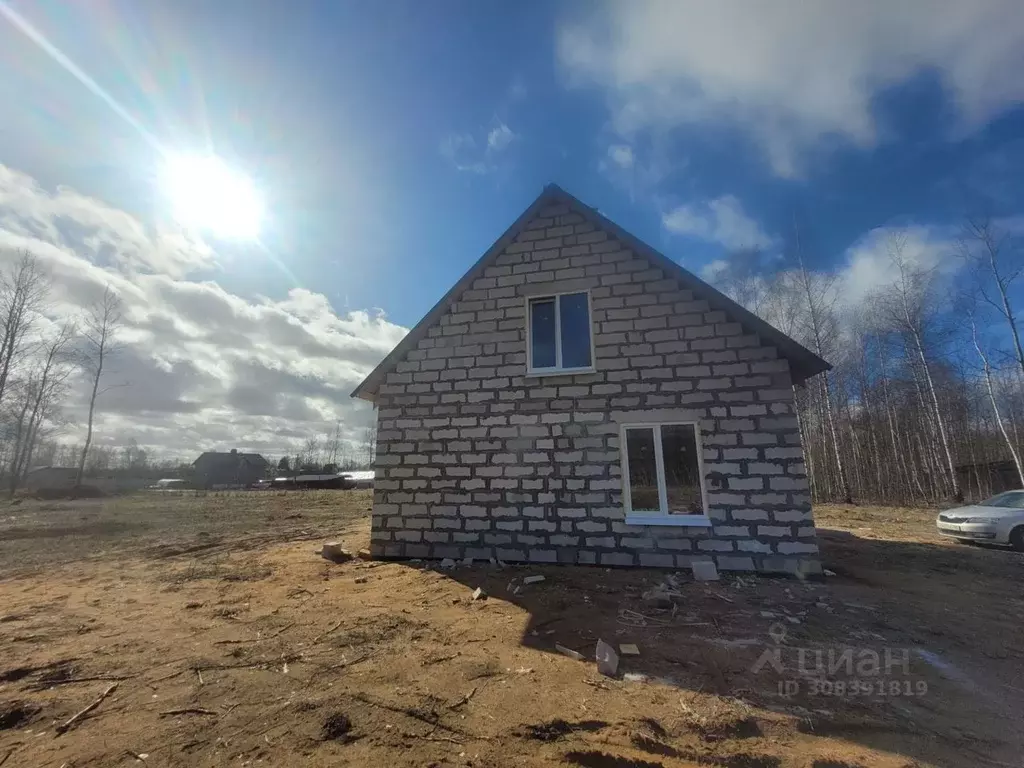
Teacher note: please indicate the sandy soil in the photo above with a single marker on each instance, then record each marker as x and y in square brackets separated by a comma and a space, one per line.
[232, 643]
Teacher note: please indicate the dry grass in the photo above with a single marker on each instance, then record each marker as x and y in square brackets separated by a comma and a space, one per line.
[237, 644]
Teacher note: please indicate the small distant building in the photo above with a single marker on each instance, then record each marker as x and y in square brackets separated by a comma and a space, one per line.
[217, 469]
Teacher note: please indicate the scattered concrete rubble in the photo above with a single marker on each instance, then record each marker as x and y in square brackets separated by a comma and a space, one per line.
[629, 649]
[569, 652]
[533, 579]
[607, 659]
[333, 551]
[704, 570]
[479, 594]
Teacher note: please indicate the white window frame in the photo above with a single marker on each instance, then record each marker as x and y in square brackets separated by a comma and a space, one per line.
[557, 369]
[662, 516]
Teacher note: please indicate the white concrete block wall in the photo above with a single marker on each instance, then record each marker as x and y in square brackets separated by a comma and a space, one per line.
[477, 459]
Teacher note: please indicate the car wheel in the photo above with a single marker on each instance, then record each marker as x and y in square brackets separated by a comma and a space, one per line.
[1017, 538]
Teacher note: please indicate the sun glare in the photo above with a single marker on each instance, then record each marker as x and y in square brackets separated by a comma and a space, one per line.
[205, 194]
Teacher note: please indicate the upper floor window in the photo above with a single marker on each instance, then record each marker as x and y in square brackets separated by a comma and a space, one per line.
[559, 332]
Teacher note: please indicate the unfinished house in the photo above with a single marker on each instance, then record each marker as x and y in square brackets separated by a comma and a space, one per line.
[578, 397]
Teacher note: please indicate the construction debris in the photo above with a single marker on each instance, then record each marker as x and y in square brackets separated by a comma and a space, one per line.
[607, 659]
[704, 570]
[629, 649]
[333, 551]
[658, 599]
[570, 652]
[446, 564]
[533, 579]
[479, 594]
[827, 572]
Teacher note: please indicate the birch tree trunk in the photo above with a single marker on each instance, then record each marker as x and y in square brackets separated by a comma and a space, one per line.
[1014, 453]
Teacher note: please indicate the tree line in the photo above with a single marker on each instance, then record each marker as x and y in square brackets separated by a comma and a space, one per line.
[42, 361]
[925, 401]
[331, 453]
[38, 362]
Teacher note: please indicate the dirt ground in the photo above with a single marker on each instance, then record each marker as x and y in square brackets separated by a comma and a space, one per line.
[232, 643]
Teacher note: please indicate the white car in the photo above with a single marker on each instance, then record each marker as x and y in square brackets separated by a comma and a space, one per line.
[999, 520]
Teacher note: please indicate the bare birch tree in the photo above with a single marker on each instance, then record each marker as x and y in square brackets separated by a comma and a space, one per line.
[100, 336]
[910, 304]
[993, 252]
[993, 400]
[23, 291]
[44, 390]
[819, 297]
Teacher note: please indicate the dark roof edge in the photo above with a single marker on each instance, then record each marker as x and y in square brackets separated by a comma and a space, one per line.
[418, 330]
[803, 362]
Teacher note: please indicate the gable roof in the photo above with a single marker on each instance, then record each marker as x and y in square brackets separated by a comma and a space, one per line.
[229, 459]
[803, 363]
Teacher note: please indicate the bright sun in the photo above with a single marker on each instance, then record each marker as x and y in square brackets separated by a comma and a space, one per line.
[206, 194]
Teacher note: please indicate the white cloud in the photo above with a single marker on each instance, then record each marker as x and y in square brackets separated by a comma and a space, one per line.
[461, 151]
[721, 220]
[792, 73]
[621, 155]
[713, 270]
[203, 368]
[95, 229]
[467, 154]
[868, 267]
[500, 137]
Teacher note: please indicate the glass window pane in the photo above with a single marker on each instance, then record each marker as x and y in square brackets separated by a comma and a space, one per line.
[643, 470]
[682, 469]
[575, 318]
[542, 331]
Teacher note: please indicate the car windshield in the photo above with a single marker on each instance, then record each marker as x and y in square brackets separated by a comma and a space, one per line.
[1009, 500]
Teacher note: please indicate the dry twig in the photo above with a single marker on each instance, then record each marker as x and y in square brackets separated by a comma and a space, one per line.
[71, 721]
[322, 635]
[281, 631]
[464, 700]
[188, 711]
[49, 683]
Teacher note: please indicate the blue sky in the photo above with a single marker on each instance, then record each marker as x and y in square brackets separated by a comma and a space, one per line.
[394, 141]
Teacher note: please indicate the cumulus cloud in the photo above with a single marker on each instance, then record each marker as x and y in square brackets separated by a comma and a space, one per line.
[460, 149]
[868, 266]
[105, 234]
[200, 367]
[792, 73]
[500, 137]
[469, 155]
[721, 220]
[621, 155]
[713, 270]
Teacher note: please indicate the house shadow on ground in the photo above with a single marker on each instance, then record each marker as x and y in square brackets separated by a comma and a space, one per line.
[942, 606]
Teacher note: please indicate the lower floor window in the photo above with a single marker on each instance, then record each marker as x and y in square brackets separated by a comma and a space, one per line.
[662, 470]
